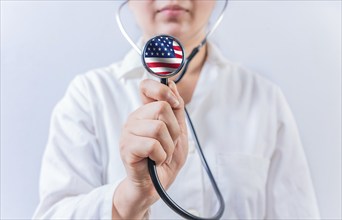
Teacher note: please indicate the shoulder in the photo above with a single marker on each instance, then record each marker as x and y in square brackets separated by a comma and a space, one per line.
[114, 74]
[248, 91]
[114, 85]
[90, 82]
[239, 80]
[112, 78]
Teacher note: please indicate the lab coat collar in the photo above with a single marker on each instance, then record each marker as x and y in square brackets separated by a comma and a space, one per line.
[131, 65]
[214, 55]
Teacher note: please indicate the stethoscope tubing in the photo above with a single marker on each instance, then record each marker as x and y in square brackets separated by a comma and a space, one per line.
[167, 199]
[139, 50]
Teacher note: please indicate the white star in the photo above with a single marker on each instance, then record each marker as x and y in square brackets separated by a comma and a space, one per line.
[168, 54]
[158, 39]
[149, 49]
[162, 44]
[146, 54]
[156, 44]
[157, 54]
[159, 49]
[162, 54]
[152, 53]
[165, 49]
[154, 49]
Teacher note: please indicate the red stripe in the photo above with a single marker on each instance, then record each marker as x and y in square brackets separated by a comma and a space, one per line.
[169, 65]
[177, 48]
[163, 73]
[178, 56]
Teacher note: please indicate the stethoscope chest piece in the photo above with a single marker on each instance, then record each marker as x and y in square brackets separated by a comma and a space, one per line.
[163, 56]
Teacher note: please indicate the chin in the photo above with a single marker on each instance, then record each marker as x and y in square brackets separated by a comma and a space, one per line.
[174, 31]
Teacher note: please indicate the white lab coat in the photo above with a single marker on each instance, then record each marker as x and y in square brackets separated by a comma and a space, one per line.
[244, 124]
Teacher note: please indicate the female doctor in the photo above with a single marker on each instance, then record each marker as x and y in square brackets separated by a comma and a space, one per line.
[112, 119]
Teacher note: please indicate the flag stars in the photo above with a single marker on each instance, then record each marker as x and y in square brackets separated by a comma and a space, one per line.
[161, 47]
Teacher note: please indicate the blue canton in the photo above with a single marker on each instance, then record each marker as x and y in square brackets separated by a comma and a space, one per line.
[160, 47]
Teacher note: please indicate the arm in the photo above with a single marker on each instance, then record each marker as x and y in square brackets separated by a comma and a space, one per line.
[72, 185]
[71, 182]
[290, 193]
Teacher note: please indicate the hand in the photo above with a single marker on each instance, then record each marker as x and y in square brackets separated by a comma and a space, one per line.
[156, 130]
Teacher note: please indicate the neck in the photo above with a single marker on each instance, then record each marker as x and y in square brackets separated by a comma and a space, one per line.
[197, 62]
[188, 83]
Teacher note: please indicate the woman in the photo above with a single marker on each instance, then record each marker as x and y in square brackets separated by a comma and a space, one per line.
[112, 119]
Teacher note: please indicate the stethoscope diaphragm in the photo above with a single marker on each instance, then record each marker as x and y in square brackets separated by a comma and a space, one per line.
[163, 56]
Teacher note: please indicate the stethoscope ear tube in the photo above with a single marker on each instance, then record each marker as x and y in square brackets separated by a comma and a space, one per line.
[187, 62]
[131, 42]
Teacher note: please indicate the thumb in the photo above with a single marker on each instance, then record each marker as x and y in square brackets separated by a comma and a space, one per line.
[179, 110]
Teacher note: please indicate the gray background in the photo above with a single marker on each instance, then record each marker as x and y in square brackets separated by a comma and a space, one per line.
[44, 44]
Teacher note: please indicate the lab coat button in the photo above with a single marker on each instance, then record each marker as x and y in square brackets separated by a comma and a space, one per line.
[191, 147]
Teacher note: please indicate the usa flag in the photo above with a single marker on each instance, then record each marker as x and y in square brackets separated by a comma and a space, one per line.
[163, 55]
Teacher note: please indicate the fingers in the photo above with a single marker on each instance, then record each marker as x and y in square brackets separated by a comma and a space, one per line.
[157, 130]
[158, 126]
[152, 91]
[142, 147]
[155, 91]
[158, 111]
[179, 112]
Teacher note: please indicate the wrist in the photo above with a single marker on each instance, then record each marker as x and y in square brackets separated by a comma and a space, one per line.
[132, 202]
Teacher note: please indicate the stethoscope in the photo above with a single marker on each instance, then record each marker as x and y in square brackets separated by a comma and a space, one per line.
[163, 68]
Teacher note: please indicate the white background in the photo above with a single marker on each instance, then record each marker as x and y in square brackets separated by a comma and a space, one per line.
[44, 44]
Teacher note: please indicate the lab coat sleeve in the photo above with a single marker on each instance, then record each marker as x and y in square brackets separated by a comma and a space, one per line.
[290, 192]
[73, 166]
